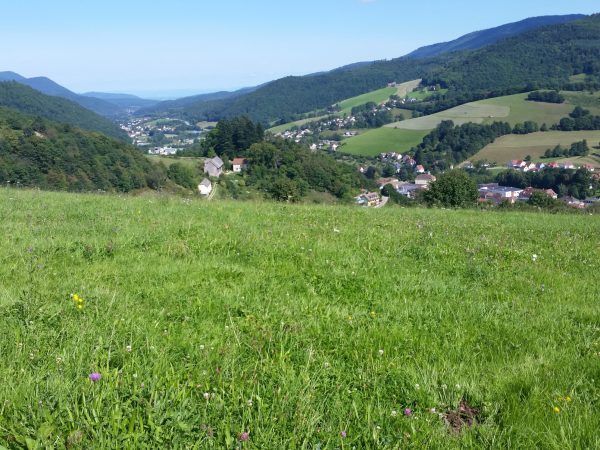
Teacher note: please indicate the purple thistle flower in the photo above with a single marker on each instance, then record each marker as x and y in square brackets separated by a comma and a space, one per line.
[343, 434]
[408, 412]
[244, 436]
[95, 376]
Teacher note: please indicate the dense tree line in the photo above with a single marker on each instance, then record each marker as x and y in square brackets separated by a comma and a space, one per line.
[544, 58]
[36, 152]
[229, 139]
[287, 171]
[577, 149]
[577, 183]
[546, 96]
[28, 101]
[579, 119]
[449, 144]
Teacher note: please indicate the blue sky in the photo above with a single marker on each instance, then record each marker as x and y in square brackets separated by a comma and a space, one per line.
[185, 46]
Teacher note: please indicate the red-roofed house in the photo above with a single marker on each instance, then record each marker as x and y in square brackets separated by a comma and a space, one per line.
[239, 164]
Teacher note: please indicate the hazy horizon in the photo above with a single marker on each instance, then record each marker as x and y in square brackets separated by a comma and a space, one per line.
[195, 48]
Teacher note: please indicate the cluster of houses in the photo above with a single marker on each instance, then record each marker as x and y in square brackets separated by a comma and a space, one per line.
[215, 167]
[165, 151]
[527, 166]
[399, 161]
[295, 135]
[409, 190]
[493, 192]
[325, 144]
[322, 144]
[369, 199]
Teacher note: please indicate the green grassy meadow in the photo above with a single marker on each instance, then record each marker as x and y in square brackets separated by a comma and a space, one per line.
[378, 140]
[510, 108]
[514, 146]
[304, 326]
[193, 162]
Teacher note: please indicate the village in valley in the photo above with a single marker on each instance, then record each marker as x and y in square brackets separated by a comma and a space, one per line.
[164, 136]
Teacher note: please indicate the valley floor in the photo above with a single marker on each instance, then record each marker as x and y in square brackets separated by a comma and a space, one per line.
[303, 326]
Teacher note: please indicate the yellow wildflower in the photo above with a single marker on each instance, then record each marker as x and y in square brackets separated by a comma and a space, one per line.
[556, 409]
[568, 399]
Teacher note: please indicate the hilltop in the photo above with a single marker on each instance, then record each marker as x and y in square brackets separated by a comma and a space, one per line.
[304, 326]
[479, 39]
[30, 101]
[49, 87]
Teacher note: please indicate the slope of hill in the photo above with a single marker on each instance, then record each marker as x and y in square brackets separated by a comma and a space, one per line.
[546, 56]
[479, 39]
[511, 108]
[125, 102]
[334, 320]
[40, 153]
[514, 146]
[30, 101]
[49, 87]
[179, 104]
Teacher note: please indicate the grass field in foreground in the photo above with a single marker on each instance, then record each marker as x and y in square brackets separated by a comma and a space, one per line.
[378, 140]
[514, 146]
[295, 324]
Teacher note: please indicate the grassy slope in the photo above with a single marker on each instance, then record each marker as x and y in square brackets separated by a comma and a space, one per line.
[378, 96]
[268, 303]
[378, 140]
[512, 109]
[513, 146]
[192, 162]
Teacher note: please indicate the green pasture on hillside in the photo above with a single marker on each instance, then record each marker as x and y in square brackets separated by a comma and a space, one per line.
[379, 140]
[515, 146]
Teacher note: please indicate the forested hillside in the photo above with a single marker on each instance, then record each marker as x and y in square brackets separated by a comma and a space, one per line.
[479, 39]
[30, 101]
[544, 57]
[37, 152]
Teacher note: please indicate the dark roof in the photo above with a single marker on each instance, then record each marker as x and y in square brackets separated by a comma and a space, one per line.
[216, 161]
